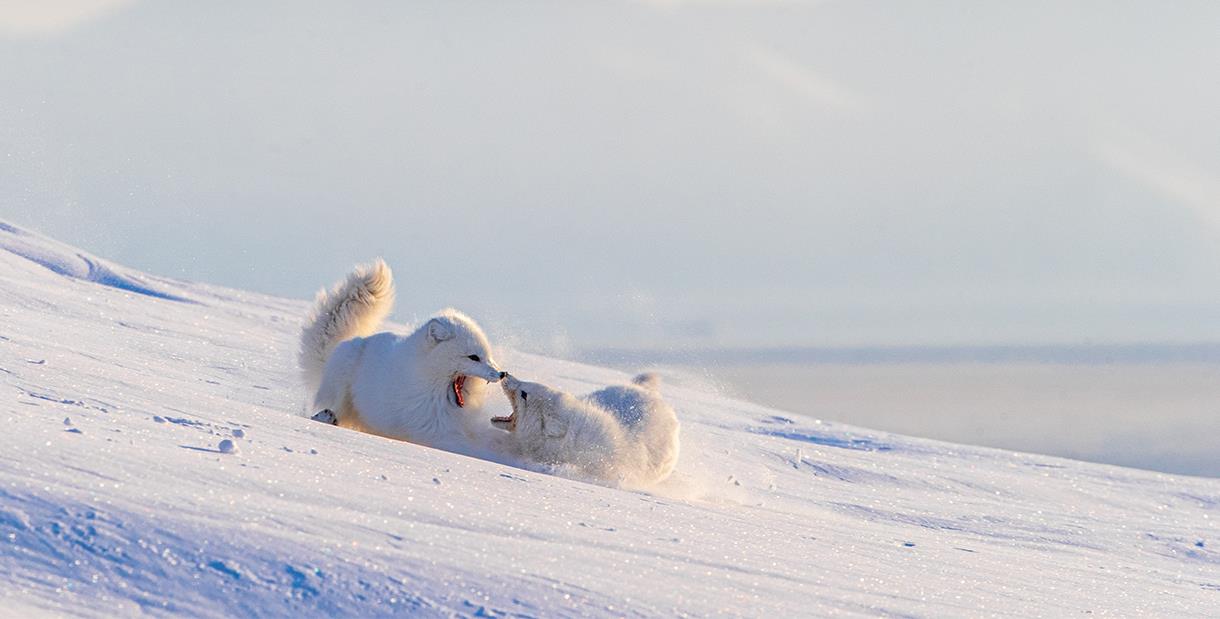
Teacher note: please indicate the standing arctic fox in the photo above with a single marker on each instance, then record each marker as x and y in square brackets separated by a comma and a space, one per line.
[623, 434]
[413, 387]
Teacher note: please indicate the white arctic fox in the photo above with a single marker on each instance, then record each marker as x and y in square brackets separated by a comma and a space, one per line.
[624, 434]
[415, 387]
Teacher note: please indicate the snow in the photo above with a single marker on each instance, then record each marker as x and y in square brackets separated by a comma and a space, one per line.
[768, 514]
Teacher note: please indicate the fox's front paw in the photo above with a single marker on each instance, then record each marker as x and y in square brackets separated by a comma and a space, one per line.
[327, 417]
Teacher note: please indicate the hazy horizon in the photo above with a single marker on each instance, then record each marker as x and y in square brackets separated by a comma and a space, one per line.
[1157, 417]
[645, 174]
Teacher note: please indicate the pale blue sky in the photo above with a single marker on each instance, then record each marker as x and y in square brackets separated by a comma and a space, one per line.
[645, 173]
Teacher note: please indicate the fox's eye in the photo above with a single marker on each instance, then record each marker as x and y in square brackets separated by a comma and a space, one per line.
[474, 358]
[524, 395]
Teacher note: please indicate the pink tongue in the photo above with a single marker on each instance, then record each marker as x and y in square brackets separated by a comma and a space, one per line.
[458, 383]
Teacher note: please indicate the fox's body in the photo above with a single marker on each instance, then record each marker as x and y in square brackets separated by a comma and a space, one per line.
[624, 434]
[422, 387]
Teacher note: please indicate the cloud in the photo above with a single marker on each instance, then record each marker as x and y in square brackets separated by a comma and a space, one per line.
[675, 4]
[1177, 180]
[46, 18]
[801, 80]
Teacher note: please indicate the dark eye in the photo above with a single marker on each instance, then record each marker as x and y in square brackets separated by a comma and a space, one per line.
[524, 395]
[474, 358]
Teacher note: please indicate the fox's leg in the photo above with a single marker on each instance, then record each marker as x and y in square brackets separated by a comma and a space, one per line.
[336, 378]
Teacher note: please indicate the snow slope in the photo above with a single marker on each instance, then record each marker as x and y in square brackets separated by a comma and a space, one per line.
[115, 500]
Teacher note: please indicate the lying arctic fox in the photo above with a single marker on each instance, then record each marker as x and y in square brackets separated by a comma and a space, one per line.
[415, 387]
[623, 434]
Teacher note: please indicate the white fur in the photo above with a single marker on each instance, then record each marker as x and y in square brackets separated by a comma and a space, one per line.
[354, 307]
[398, 386]
[624, 434]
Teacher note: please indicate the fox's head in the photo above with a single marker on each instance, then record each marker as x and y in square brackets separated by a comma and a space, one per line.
[534, 409]
[459, 357]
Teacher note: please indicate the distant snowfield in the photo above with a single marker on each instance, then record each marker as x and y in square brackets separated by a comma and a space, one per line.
[1157, 415]
[115, 499]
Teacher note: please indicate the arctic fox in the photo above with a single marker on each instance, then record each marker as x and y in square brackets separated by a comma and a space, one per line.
[623, 434]
[416, 387]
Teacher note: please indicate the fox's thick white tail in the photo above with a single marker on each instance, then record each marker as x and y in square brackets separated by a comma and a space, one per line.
[648, 380]
[354, 307]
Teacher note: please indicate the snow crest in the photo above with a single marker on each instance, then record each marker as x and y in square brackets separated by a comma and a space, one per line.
[75, 264]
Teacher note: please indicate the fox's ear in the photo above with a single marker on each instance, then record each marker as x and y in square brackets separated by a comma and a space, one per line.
[554, 426]
[439, 331]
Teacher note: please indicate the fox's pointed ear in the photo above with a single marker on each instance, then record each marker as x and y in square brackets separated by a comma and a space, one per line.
[554, 426]
[439, 331]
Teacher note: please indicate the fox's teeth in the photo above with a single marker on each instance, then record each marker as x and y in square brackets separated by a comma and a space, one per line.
[458, 383]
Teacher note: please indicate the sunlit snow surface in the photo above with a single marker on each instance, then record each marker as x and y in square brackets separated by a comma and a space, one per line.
[115, 499]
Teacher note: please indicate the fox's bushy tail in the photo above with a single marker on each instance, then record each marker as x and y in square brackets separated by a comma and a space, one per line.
[354, 307]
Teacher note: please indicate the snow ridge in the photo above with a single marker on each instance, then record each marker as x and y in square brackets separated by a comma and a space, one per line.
[75, 264]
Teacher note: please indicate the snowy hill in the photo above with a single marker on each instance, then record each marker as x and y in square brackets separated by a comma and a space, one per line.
[115, 500]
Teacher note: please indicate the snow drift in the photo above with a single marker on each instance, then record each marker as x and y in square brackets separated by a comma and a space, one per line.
[117, 498]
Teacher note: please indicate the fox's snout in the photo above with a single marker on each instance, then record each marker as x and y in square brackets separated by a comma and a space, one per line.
[486, 371]
[509, 382]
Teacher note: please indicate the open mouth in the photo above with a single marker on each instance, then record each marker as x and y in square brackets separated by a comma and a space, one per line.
[459, 382]
[510, 422]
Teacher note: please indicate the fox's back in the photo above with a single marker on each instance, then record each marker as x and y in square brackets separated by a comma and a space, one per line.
[647, 420]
